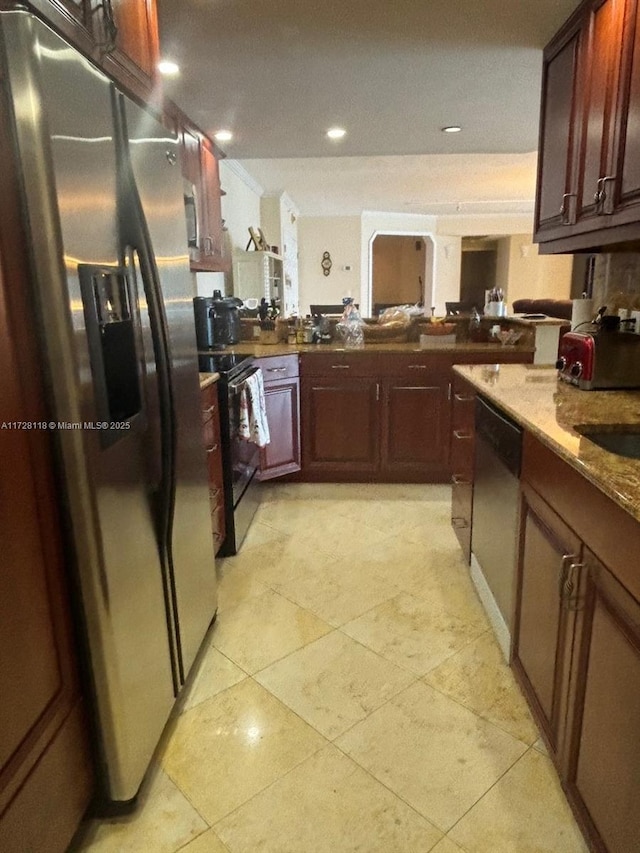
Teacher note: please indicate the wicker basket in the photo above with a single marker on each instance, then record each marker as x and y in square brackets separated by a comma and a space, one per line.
[438, 328]
[385, 333]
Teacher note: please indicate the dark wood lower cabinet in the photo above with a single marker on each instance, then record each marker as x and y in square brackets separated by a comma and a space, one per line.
[282, 454]
[415, 428]
[543, 634]
[462, 461]
[577, 643]
[213, 448]
[46, 771]
[604, 774]
[281, 374]
[340, 426]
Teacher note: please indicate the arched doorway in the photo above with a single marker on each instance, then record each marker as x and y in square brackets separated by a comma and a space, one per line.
[401, 270]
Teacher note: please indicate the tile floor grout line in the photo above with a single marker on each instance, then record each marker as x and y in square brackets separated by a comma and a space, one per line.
[325, 741]
[195, 838]
[391, 791]
[490, 788]
[335, 627]
[477, 713]
[290, 710]
[275, 781]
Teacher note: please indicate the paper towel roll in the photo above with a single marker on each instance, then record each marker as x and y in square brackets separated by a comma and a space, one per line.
[582, 311]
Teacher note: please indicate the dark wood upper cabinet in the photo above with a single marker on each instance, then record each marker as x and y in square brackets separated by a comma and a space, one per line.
[137, 44]
[556, 200]
[600, 71]
[627, 161]
[203, 196]
[588, 174]
[121, 36]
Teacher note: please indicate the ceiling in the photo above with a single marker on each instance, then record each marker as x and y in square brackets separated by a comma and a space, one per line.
[391, 73]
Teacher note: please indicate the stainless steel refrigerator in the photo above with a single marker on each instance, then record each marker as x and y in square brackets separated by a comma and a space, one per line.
[104, 207]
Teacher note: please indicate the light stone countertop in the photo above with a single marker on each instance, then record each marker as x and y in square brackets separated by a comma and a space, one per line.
[550, 409]
[207, 379]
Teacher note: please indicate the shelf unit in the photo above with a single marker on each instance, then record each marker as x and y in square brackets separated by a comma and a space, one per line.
[257, 275]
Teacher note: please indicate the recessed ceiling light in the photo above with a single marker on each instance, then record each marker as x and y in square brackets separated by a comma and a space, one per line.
[453, 128]
[168, 68]
[336, 133]
[223, 136]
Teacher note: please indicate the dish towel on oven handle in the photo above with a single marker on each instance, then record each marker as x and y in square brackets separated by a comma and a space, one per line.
[253, 414]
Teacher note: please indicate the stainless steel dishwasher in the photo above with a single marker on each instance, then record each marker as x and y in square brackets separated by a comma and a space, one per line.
[498, 456]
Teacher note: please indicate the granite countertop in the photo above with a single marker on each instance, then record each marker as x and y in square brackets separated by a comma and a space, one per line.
[207, 379]
[525, 320]
[258, 350]
[550, 409]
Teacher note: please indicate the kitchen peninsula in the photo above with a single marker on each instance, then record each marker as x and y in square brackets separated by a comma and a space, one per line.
[381, 413]
[576, 637]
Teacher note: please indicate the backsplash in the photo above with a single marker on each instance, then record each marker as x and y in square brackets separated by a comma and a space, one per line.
[616, 281]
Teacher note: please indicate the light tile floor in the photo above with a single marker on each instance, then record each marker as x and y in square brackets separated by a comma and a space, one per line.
[352, 698]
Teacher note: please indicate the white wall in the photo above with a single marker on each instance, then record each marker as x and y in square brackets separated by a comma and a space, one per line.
[535, 276]
[240, 209]
[447, 264]
[340, 236]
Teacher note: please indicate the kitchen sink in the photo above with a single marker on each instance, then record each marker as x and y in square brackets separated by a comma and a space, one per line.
[622, 439]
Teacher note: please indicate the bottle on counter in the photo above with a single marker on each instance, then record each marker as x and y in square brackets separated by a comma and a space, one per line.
[474, 325]
[308, 330]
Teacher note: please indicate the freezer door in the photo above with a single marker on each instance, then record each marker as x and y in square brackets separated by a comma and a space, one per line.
[157, 174]
[65, 144]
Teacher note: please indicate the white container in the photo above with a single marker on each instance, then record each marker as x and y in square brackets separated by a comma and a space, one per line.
[435, 341]
[496, 309]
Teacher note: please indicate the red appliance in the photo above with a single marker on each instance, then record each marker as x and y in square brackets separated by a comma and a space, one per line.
[600, 359]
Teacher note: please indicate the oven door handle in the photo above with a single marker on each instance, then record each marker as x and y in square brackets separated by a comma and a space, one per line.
[236, 387]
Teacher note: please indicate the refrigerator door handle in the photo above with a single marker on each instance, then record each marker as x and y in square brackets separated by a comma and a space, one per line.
[134, 233]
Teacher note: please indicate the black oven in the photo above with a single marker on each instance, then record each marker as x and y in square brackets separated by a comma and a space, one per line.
[240, 458]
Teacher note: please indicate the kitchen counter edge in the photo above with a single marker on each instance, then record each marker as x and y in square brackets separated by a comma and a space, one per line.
[207, 379]
[258, 350]
[549, 409]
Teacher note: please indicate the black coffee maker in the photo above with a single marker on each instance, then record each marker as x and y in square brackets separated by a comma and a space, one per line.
[217, 321]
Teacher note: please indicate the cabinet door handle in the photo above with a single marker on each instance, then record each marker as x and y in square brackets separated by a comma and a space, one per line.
[416, 367]
[565, 209]
[459, 523]
[605, 208]
[276, 369]
[597, 196]
[464, 398]
[108, 44]
[212, 449]
[340, 366]
[457, 480]
[564, 569]
[415, 388]
[449, 391]
[208, 245]
[377, 392]
[571, 600]
[461, 434]
[209, 410]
